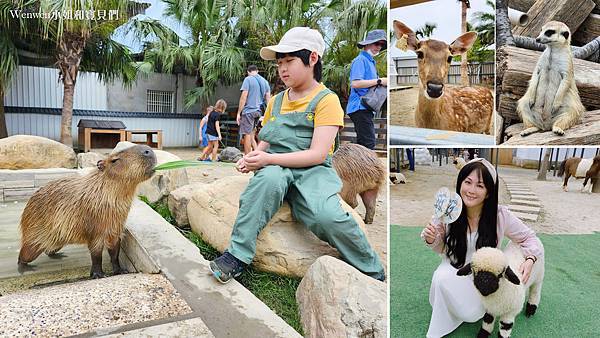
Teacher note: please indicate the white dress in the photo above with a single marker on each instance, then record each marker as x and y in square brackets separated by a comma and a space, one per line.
[453, 298]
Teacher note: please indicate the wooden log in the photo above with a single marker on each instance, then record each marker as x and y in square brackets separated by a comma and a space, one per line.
[521, 5]
[516, 67]
[571, 12]
[586, 133]
[503, 34]
[588, 31]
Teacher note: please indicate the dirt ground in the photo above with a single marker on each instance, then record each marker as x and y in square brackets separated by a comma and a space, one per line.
[376, 232]
[572, 212]
[403, 104]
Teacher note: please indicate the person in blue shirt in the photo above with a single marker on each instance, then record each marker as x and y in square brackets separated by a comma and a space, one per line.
[255, 94]
[363, 75]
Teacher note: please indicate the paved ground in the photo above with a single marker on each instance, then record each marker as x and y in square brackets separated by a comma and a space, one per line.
[560, 212]
[403, 104]
[76, 308]
[376, 232]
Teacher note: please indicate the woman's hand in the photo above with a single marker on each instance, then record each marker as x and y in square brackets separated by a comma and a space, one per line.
[257, 159]
[525, 270]
[430, 233]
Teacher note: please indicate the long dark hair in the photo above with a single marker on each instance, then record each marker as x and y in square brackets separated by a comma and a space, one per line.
[456, 238]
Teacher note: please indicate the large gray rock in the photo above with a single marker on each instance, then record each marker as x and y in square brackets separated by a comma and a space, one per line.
[230, 154]
[179, 199]
[89, 159]
[336, 300]
[284, 247]
[164, 181]
[34, 152]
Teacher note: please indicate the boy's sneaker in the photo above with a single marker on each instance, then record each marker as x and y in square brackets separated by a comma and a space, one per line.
[226, 267]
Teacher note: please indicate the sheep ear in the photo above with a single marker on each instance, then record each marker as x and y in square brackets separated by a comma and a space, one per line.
[465, 270]
[510, 275]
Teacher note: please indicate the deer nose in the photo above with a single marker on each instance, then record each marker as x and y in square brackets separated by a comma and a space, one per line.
[435, 90]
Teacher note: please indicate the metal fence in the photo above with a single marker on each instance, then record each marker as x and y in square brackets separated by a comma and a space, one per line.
[479, 74]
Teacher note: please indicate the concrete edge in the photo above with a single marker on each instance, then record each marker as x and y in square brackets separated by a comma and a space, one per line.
[227, 310]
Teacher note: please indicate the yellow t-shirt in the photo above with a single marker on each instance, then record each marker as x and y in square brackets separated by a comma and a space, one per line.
[328, 111]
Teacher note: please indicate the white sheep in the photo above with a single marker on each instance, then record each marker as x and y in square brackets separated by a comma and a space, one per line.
[397, 178]
[459, 163]
[497, 278]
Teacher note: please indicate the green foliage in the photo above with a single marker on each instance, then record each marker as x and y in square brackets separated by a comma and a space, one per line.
[227, 36]
[278, 292]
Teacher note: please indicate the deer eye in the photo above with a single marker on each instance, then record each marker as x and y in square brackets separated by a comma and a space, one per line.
[549, 32]
[449, 59]
[420, 55]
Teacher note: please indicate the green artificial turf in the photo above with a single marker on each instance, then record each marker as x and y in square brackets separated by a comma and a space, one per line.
[570, 304]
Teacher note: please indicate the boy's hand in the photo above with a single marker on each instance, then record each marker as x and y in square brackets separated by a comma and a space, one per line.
[256, 159]
[237, 119]
[241, 166]
[525, 269]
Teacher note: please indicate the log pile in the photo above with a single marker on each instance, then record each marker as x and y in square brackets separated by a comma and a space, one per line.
[515, 64]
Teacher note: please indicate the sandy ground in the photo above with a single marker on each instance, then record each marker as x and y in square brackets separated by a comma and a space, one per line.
[570, 212]
[376, 232]
[403, 104]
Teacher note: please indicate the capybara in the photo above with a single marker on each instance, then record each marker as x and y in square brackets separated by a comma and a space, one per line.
[89, 209]
[362, 173]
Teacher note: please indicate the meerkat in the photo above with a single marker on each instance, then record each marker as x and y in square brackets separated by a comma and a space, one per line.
[552, 101]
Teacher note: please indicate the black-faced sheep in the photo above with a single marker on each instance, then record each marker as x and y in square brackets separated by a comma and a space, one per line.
[397, 178]
[497, 278]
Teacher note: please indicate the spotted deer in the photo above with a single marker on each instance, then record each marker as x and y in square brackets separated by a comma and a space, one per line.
[457, 108]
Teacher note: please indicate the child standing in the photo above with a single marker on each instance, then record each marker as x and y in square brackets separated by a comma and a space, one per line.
[213, 131]
[203, 125]
[293, 162]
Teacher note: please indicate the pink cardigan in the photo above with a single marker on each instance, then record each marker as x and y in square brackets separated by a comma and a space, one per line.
[508, 225]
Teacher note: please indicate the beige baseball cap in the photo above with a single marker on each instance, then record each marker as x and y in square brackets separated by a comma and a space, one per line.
[296, 39]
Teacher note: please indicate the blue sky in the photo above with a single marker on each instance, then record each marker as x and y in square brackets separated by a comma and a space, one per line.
[444, 13]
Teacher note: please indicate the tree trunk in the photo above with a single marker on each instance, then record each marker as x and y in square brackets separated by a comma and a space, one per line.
[503, 32]
[464, 75]
[3, 131]
[545, 166]
[70, 52]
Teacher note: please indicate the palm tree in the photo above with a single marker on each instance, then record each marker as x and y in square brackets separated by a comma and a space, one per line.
[9, 58]
[464, 76]
[85, 43]
[485, 24]
[426, 31]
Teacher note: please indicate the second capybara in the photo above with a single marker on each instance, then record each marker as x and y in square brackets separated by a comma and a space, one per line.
[90, 209]
[362, 173]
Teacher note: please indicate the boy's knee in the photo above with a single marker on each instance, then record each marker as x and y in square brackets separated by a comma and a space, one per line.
[271, 176]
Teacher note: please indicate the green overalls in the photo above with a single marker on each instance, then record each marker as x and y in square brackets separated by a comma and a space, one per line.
[311, 193]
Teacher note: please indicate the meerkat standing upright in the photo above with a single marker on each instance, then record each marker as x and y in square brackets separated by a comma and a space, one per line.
[552, 100]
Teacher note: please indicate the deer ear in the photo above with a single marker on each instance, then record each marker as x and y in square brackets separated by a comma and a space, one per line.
[401, 29]
[463, 43]
[510, 275]
[465, 270]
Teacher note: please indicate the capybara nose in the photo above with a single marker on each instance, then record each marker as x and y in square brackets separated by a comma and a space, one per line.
[435, 90]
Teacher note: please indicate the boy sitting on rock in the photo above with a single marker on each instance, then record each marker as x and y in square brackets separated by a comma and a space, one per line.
[293, 162]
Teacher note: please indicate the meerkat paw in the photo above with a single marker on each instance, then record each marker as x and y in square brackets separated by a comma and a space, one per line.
[558, 131]
[529, 131]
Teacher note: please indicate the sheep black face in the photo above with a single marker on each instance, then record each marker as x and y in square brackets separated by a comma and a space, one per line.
[487, 282]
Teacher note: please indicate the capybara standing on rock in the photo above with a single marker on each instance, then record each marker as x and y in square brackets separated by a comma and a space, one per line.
[362, 173]
[89, 209]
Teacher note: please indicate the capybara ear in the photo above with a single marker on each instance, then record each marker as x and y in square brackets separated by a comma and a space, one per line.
[465, 270]
[510, 275]
[463, 43]
[100, 165]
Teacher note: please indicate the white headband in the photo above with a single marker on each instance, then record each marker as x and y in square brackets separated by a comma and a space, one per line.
[488, 166]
